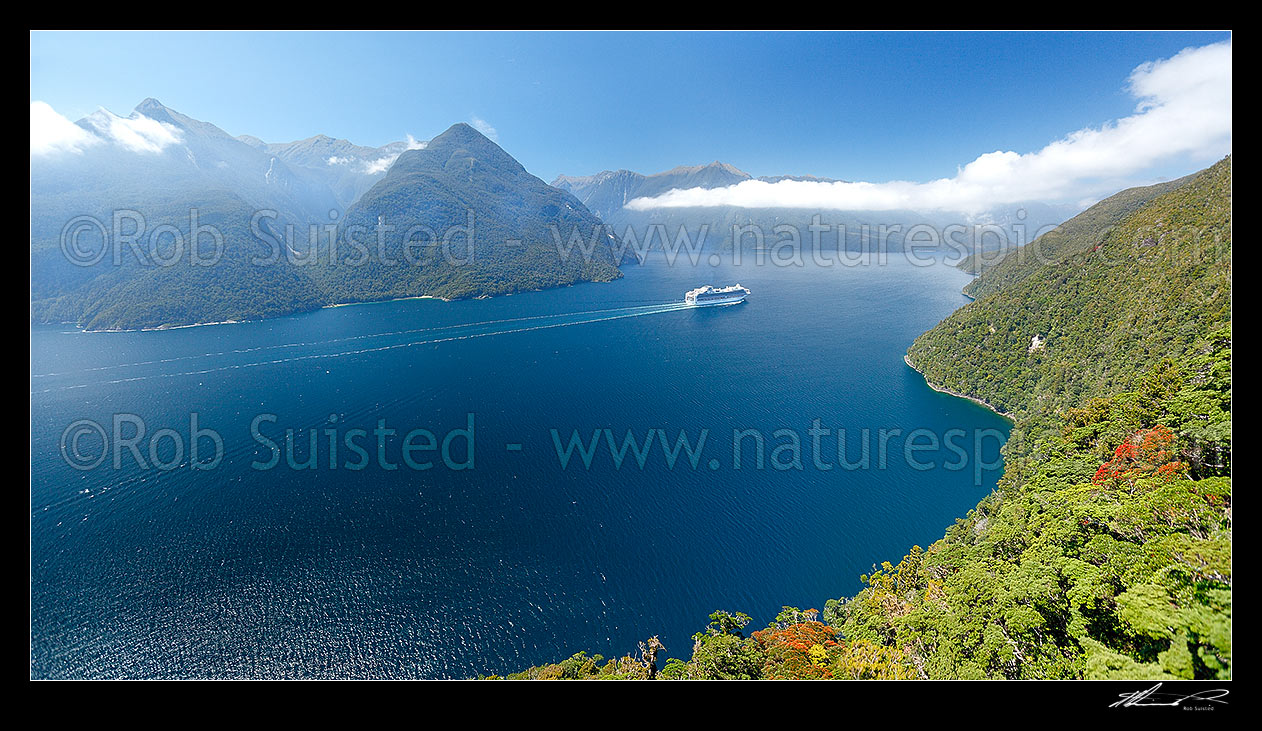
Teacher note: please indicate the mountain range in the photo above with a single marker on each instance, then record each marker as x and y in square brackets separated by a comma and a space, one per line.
[167, 169]
[157, 153]
[166, 172]
[607, 194]
[348, 169]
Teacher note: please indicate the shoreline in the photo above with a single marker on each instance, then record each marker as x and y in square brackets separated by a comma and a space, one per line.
[942, 389]
[449, 300]
[394, 299]
[160, 328]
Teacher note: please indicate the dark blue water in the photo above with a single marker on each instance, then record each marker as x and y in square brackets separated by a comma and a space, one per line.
[235, 571]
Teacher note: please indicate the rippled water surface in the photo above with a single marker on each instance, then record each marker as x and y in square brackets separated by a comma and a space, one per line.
[237, 571]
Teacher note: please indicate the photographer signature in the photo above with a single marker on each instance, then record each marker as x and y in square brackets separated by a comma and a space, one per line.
[1151, 697]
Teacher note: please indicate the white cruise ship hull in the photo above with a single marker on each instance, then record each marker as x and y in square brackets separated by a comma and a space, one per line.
[707, 296]
[720, 301]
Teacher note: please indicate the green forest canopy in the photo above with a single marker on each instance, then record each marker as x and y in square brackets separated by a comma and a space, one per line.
[1105, 551]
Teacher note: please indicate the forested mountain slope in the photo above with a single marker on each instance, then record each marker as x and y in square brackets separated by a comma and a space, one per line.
[1103, 302]
[1105, 551]
[245, 281]
[1075, 236]
[487, 227]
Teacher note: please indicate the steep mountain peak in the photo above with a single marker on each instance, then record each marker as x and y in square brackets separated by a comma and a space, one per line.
[461, 144]
[464, 135]
[563, 180]
[728, 168]
[150, 106]
[459, 174]
[156, 110]
[714, 167]
[252, 141]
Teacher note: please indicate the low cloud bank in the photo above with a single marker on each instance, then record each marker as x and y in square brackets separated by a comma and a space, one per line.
[52, 133]
[1183, 108]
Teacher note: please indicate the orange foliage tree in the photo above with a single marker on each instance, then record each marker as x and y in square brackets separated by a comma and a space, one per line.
[798, 651]
[1146, 452]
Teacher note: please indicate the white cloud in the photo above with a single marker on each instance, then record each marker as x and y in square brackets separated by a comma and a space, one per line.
[1183, 108]
[382, 164]
[485, 128]
[137, 133]
[51, 132]
[335, 160]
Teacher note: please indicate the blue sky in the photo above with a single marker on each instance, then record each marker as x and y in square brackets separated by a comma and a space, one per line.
[873, 107]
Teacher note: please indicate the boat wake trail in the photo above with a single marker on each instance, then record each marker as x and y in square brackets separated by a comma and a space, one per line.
[441, 334]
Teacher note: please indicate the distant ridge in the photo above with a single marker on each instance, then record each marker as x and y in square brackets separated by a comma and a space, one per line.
[605, 193]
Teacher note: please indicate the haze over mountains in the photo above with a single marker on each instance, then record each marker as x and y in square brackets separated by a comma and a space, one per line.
[159, 153]
[163, 168]
[609, 192]
[348, 169]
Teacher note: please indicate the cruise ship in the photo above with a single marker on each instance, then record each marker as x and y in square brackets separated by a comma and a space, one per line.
[707, 295]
